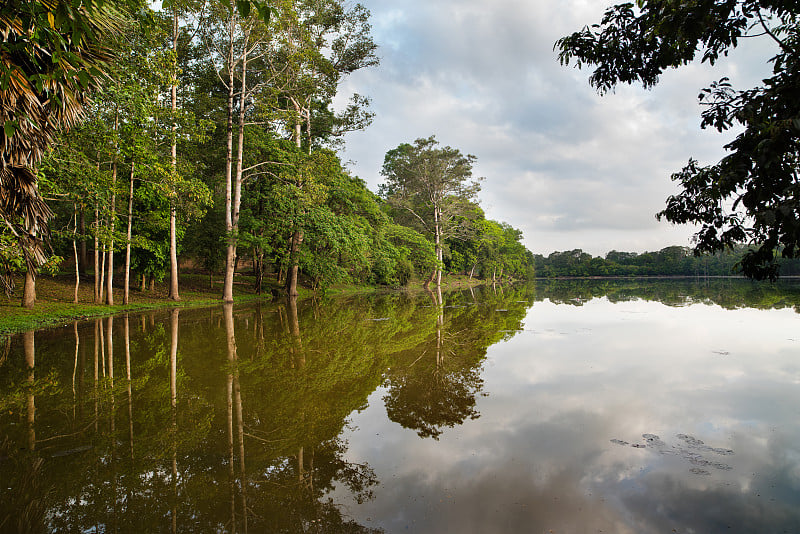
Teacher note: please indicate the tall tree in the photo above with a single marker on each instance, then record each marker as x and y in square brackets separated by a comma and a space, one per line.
[435, 186]
[317, 44]
[52, 55]
[752, 195]
[235, 39]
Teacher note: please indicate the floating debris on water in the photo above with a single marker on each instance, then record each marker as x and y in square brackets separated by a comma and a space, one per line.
[689, 450]
[721, 352]
[654, 441]
[698, 471]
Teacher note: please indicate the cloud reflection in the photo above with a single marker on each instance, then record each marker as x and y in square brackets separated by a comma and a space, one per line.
[541, 457]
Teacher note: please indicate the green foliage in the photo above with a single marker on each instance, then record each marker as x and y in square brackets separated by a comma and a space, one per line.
[669, 261]
[293, 187]
[751, 195]
[433, 186]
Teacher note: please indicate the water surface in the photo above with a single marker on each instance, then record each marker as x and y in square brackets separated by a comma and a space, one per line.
[565, 407]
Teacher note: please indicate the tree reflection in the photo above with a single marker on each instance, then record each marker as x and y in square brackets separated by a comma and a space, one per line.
[236, 413]
[729, 293]
[435, 385]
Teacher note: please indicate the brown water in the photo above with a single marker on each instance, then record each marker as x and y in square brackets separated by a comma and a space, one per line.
[567, 407]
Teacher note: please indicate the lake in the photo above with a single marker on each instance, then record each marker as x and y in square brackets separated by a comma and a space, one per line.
[563, 406]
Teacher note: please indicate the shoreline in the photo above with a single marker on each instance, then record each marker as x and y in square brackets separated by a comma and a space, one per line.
[54, 303]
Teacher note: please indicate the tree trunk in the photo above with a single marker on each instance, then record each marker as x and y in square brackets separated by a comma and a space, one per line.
[97, 297]
[173, 255]
[84, 257]
[230, 256]
[77, 263]
[438, 237]
[112, 217]
[292, 273]
[126, 295]
[232, 214]
[430, 279]
[173, 240]
[258, 264]
[297, 236]
[29, 289]
[102, 274]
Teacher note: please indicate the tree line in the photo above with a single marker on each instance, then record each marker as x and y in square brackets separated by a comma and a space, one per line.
[669, 261]
[206, 131]
[750, 196]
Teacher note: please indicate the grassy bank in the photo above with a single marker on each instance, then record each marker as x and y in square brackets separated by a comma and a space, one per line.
[55, 296]
[55, 300]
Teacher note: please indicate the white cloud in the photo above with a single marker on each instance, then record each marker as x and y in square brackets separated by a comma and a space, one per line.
[568, 167]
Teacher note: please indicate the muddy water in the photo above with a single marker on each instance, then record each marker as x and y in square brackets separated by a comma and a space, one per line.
[565, 407]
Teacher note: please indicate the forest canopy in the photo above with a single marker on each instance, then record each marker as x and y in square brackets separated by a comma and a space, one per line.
[205, 136]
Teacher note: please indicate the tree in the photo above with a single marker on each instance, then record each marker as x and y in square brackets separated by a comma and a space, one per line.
[435, 186]
[51, 57]
[317, 44]
[751, 195]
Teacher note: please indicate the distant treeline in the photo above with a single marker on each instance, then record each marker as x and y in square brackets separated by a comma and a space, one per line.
[669, 261]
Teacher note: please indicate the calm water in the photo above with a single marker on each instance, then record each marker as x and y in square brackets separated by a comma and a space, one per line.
[630, 407]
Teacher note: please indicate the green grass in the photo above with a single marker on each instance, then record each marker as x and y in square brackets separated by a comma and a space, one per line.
[55, 300]
[55, 295]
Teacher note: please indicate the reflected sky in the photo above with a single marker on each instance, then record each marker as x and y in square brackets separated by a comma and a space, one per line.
[569, 406]
[606, 417]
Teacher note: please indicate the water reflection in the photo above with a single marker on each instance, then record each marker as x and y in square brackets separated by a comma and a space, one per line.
[434, 385]
[563, 406]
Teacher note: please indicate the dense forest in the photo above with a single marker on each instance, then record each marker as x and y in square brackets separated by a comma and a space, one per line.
[669, 261]
[205, 137]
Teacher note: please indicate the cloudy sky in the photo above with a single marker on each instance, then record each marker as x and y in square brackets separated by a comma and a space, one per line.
[568, 167]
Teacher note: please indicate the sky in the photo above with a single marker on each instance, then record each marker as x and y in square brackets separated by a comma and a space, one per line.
[570, 168]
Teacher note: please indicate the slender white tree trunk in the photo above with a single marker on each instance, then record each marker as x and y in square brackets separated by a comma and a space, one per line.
[237, 184]
[438, 237]
[75, 251]
[113, 215]
[230, 256]
[173, 215]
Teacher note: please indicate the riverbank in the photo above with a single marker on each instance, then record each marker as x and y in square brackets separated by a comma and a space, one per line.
[55, 298]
